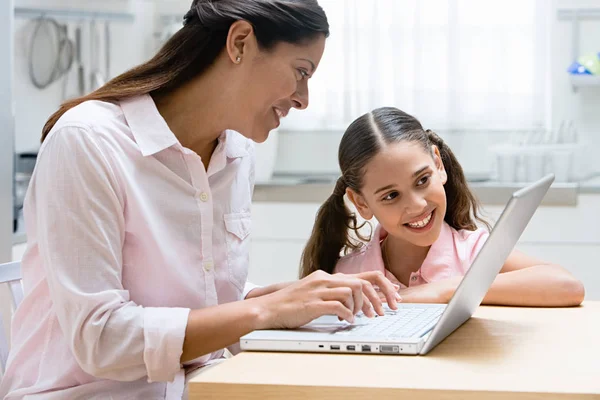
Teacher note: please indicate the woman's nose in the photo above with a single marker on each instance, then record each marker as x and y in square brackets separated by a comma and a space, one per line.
[300, 97]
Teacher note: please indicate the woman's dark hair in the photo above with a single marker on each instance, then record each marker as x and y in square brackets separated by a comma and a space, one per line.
[364, 139]
[201, 39]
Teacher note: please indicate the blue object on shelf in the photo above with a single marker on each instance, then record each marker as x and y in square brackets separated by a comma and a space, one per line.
[578, 69]
[587, 64]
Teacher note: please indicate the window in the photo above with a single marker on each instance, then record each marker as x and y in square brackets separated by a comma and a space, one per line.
[454, 64]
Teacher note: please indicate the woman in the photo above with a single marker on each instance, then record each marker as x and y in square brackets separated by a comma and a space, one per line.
[138, 213]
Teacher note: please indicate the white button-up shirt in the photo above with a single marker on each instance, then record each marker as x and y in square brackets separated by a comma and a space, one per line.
[126, 233]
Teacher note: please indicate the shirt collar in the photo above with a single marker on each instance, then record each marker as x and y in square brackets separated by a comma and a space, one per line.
[149, 129]
[152, 134]
[437, 255]
[236, 145]
[374, 256]
[231, 145]
[440, 255]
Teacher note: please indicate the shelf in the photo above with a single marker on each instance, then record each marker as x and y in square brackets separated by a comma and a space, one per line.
[565, 14]
[575, 16]
[580, 81]
[31, 13]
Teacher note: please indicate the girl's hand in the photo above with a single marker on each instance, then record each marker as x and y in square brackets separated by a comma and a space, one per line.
[435, 292]
[321, 294]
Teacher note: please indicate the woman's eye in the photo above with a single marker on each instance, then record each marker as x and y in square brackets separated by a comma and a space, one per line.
[303, 73]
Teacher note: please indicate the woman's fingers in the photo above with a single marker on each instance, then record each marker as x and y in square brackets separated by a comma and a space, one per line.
[389, 290]
[373, 297]
[367, 307]
[336, 308]
[354, 284]
[342, 294]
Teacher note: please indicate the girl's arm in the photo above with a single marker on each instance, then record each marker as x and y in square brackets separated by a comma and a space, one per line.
[523, 281]
[527, 281]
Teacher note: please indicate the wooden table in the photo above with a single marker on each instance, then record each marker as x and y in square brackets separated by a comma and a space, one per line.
[500, 353]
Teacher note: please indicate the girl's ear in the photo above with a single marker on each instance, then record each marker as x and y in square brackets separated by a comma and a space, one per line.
[437, 159]
[359, 202]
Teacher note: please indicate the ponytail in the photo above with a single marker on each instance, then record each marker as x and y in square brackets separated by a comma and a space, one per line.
[330, 233]
[463, 209]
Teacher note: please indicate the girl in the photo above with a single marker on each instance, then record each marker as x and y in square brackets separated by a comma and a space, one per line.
[410, 181]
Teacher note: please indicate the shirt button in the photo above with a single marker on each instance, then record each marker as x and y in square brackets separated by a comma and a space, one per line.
[208, 266]
[204, 197]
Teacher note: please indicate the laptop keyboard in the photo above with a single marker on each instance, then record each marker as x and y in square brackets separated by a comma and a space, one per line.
[404, 323]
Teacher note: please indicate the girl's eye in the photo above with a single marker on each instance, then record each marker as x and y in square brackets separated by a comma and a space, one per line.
[391, 196]
[423, 181]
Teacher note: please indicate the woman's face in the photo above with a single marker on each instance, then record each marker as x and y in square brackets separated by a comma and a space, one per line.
[275, 81]
[403, 187]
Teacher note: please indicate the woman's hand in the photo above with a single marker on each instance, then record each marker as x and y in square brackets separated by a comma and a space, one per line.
[387, 292]
[323, 294]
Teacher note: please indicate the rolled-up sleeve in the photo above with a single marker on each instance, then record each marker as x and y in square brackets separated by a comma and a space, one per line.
[79, 209]
[163, 339]
[248, 287]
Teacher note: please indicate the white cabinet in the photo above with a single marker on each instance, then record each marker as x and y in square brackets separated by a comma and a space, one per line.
[569, 236]
[273, 261]
[280, 232]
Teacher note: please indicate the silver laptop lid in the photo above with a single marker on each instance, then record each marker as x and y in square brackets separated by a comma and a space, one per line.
[489, 261]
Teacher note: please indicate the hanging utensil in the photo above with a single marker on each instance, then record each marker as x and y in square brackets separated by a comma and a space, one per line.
[50, 53]
[44, 52]
[107, 50]
[66, 52]
[80, 69]
[96, 78]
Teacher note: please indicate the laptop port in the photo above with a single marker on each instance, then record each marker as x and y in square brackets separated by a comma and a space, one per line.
[351, 348]
[334, 347]
[366, 348]
[389, 349]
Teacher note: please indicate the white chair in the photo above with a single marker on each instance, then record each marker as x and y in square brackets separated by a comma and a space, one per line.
[10, 274]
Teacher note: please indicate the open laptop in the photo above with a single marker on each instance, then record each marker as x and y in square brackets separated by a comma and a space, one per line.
[414, 328]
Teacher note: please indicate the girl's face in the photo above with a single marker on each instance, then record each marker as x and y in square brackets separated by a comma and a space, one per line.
[403, 187]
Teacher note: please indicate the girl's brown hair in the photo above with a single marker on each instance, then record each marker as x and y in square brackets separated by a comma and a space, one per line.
[198, 43]
[363, 139]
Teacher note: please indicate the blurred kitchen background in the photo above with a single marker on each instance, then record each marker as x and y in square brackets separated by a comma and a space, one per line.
[513, 86]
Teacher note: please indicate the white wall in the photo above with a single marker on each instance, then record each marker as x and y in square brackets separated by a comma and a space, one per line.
[6, 133]
[316, 152]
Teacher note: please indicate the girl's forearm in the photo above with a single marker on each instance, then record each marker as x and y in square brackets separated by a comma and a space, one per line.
[536, 286]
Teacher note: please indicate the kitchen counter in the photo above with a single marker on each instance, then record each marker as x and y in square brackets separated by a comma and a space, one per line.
[316, 189]
[590, 186]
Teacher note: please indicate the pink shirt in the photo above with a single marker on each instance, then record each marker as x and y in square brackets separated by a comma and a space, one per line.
[126, 234]
[451, 255]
